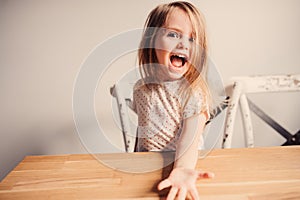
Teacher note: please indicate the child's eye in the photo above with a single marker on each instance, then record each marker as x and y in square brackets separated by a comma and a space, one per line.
[173, 35]
[192, 39]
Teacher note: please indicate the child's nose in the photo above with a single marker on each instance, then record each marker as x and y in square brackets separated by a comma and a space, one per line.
[184, 43]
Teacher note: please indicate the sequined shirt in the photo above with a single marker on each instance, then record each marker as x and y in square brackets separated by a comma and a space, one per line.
[161, 112]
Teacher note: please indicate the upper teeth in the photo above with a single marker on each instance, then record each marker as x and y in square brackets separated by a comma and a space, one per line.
[181, 56]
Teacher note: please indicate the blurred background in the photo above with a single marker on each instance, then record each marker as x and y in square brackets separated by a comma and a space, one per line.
[44, 44]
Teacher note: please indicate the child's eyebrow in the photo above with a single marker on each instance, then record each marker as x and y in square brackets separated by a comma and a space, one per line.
[174, 29]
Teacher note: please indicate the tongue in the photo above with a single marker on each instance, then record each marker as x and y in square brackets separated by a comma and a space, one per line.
[176, 61]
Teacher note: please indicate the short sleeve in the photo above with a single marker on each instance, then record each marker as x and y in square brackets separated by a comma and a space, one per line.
[195, 104]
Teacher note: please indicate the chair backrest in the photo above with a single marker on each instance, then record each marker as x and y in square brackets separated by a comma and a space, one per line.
[122, 93]
[254, 84]
[124, 105]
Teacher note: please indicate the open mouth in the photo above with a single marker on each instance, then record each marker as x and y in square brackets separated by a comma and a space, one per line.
[178, 60]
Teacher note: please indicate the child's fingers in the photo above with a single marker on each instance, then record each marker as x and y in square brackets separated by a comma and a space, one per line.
[194, 193]
[164, 184]
[206, 175]
[182, 194]
[172, 194]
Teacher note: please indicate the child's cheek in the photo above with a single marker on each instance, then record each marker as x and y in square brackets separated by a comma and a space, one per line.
[160, 54]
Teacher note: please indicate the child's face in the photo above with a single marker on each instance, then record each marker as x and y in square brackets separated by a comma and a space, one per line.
[173, 45]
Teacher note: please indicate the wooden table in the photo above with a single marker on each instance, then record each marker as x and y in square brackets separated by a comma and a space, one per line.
[257, 173]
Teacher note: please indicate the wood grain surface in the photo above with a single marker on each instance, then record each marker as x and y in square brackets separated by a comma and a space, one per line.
[249, 173]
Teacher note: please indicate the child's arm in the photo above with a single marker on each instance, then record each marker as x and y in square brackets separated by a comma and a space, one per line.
[184, 176]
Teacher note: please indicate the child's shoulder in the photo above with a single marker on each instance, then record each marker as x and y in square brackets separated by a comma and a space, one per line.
[139, 84]
[144, 83]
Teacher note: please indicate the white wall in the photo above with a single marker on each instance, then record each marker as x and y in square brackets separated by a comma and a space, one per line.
[44, 43]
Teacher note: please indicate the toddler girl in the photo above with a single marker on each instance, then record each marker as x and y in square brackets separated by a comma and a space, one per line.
[172, 98]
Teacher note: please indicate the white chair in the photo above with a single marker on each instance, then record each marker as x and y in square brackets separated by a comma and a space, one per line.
[122, 93]
[124, 106]
[125, 117]
[129, 133]
[257, 84]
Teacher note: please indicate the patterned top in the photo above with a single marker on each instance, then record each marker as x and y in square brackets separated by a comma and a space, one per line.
[161, 113]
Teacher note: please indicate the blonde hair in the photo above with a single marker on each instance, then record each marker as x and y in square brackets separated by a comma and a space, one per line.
[196, 74]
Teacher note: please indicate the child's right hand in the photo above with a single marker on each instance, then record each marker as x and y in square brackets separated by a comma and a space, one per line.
[183, 182]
